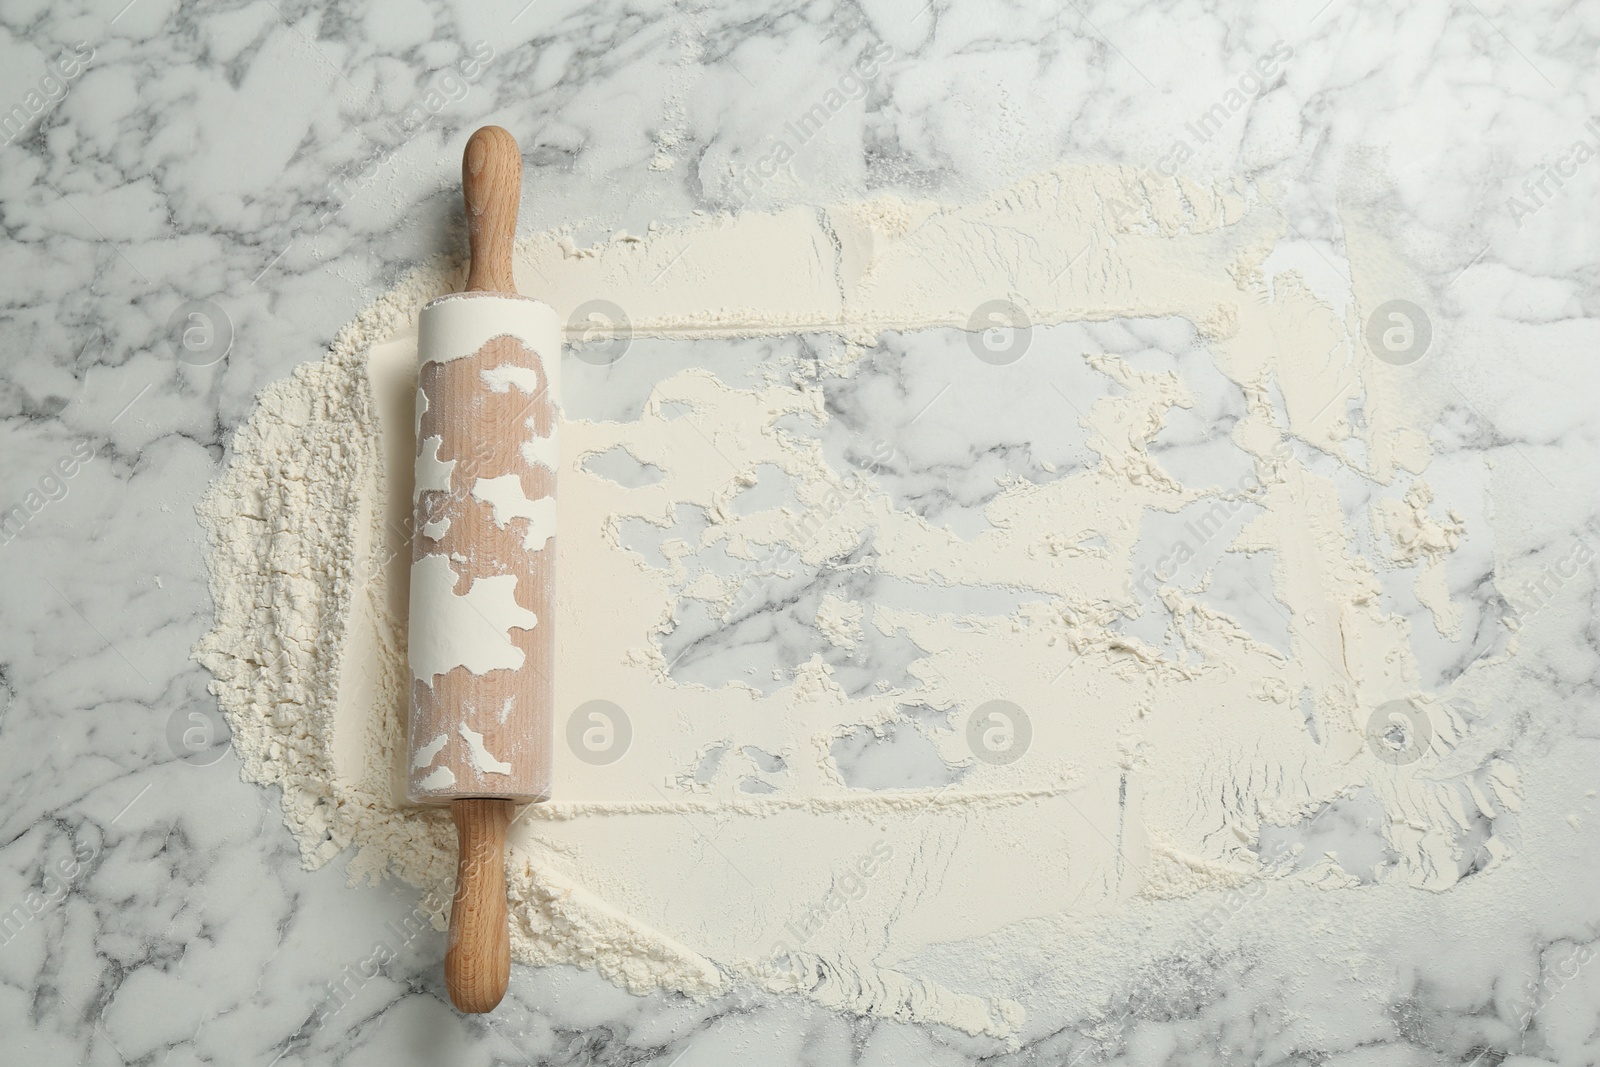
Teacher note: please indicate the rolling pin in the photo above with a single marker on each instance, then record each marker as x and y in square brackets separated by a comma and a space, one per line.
[483, 565]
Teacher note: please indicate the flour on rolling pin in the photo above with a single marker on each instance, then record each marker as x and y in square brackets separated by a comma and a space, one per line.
[482, 580]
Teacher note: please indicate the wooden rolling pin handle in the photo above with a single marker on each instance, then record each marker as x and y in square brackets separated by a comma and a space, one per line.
[491, 180]
[477, 963]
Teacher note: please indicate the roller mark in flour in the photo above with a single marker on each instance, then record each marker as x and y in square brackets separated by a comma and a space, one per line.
[1210, 752]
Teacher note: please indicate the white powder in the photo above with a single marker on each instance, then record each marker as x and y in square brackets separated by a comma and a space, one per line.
[1149, 775]
[430, 752]
[506, 499]
[472, 629]
[483, 761]
[840, 620]
[433, 472]
[441, 778]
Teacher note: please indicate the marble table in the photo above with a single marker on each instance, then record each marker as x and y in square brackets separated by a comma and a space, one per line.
[283, 163]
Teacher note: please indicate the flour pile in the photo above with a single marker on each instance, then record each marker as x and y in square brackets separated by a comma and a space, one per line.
[943, 588]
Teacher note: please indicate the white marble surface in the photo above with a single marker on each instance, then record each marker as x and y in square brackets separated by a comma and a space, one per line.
[193, 153]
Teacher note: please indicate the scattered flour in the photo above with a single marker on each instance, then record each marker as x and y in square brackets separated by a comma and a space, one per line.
[840, 620]
[1148, 777]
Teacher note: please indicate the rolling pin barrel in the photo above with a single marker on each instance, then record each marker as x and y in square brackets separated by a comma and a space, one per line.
[483, 564]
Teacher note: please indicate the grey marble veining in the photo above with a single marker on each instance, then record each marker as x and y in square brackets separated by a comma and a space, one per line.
[286, 162]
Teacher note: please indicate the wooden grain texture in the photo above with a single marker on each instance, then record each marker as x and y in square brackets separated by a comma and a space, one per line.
[491, 181]
[477, 963]
[481, 431]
